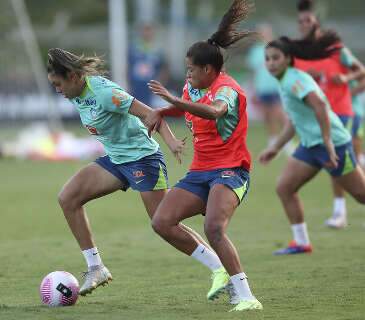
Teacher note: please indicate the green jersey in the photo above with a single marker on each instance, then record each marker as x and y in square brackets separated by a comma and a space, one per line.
[104, 112]
[295, 85]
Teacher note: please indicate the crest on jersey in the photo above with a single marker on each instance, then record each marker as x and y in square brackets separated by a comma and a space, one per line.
[93, 113]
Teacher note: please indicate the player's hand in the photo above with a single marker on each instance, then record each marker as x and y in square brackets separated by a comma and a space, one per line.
[339, 79]
[152, 121]
[177, 147]
[267, 155]
[332, 163]
[158, 89]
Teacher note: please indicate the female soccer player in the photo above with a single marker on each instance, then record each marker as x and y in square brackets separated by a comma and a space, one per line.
[324, 142]
[332, 74]
[215, 110]
[132, 158]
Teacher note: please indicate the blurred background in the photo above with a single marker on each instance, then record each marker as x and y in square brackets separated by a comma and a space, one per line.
[126, 31]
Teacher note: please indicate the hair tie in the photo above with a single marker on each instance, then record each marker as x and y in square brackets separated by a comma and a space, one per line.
[212, 42]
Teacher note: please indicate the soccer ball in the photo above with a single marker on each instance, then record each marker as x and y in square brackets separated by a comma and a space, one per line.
[58, 289]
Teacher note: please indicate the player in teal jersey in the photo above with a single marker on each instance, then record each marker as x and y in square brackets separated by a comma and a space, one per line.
[311, 29]
[325, 143]
[132, 158]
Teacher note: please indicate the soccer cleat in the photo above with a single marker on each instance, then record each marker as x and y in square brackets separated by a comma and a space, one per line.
[232, 294]
[96, 276]
[294, 248]
[220, 279]
[336, 222]
[246, 305]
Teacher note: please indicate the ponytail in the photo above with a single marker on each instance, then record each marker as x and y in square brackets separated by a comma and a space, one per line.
[209, 52]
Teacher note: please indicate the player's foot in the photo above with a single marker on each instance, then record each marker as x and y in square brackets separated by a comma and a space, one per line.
[245, 305]
[96, 276]
[337, 222]
[294, 248]
[232, 294]
[220, 279]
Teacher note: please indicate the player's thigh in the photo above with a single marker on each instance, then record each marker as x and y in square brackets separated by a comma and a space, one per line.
[177, 205]
[295, 174]
[89, 183]
[353, 183]
[152, 199]
[222, 202]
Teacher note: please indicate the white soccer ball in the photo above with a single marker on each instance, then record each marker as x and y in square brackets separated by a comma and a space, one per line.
[59, 288]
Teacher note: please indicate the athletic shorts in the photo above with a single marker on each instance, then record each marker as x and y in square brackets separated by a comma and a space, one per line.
[146, 174]
[347, 121]
[268, 99]
[200, 182]
[357, 129]
[317, 156]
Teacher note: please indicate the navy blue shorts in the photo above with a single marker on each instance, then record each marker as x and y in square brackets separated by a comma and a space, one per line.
[347, 121]
[268, 99]
[317, 156]
[357, 129]
[146, 174]
[200, 182]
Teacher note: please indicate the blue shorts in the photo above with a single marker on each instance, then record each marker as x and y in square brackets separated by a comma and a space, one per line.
[200, 182]
[268, 99]
[347, 121]
[317, 156]
[357, 129]
[146, 174]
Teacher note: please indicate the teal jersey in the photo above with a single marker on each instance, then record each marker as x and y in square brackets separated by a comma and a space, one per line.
[295, 85]
[264, 82]
[347, 58]
[226, 124]
[104, 112]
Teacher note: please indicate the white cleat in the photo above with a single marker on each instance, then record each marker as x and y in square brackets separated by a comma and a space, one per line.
[95, 277]
[338, 222]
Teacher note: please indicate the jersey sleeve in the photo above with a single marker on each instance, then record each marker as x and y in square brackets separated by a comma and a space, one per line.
[347, 58]
[116, 100]
[301, 85]
[229, 96]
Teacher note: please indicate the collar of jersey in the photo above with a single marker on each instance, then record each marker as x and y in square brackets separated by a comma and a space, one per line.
[281, 79]
[86, 89]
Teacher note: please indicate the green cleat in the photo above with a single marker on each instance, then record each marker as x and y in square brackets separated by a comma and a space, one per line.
[220, 280]
[245, 305]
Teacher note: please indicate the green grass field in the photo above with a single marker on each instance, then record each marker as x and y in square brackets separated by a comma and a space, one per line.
[154, 281]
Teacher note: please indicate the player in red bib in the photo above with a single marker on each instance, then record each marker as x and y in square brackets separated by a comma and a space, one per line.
[332, 75]
[215, 110]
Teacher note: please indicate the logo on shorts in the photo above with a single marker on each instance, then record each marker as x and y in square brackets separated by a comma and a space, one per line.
[138, 174]
[227, 174]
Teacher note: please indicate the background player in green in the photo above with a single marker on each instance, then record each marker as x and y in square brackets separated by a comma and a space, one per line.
[132, 158]
[325, 143]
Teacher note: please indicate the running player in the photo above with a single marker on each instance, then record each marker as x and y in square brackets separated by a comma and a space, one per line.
[329, 74]
[215, 111]
[132, 158]
[324, 142]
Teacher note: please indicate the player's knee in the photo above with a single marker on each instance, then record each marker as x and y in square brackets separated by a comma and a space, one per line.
[214, 232]
[283, 189]
[160, 226]
[66, 201]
